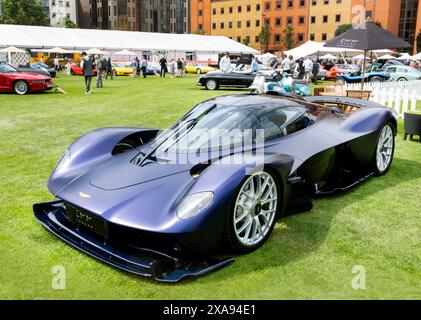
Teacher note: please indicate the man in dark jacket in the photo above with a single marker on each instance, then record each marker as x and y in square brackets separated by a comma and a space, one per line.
[109, 67]
[87, 65]
[316, 69]
[163, 63]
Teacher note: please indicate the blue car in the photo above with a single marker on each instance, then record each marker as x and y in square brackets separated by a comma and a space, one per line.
[356, 77]
[164, 204]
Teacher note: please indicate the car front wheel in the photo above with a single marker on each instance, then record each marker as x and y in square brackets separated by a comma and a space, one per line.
[198, 71]
[376, 80]
[21, 87]
[254, 213]
[211, 84]
[384, 150]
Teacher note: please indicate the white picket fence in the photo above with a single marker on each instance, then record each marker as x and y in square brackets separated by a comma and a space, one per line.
[401, 96]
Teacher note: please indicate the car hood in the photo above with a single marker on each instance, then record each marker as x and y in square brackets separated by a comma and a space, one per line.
[30, 76]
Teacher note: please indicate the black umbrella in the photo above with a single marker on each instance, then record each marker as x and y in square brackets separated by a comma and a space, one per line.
[368, 37]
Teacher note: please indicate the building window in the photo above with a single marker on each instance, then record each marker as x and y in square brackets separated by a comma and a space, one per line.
[258, 7]
[301, 20]
[325, 19]
[312, 36]
[267, 6]
[277, 38]
[200, 27]
[200, 13]
[324, 36]
[257, 23]
[302, 3]
[313, 19]
[222, 10]
[267, 22]
[338, 1]
[248, 8]
[290, 3]
[277, 22]
[230, 9]
[278, 5]
[248, 23]
[230, 24]
[325, 2]
[338, 18]
[238, 39]
[213, 26]
[239, 9]
[256, 39]
[238, 24]
[314, 2]
[300, 37]
[222, 25]
[214, 11]
[289, 21]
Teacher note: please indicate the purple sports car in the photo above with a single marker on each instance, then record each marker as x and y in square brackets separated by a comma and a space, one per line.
[165, 204]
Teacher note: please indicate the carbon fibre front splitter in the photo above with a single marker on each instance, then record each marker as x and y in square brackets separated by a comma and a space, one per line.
[142, 261]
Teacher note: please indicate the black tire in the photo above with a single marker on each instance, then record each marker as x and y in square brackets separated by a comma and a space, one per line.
[212, 84]
[230, 237]
[375, 79]
[198, 71]
[402, 79]
[21, 87]
[380, 171]
[72, 72]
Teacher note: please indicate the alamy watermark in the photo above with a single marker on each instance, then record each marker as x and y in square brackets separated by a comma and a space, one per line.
[358, 282]
[58, 280]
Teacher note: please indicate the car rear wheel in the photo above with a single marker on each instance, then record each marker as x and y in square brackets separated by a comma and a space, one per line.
[402, 80]
[385, 149]
[376, 79]
[211, 84]
[254, 212]
[21, 87]
[198, 71]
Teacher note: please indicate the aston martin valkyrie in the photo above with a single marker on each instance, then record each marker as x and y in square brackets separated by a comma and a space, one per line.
[165, 204]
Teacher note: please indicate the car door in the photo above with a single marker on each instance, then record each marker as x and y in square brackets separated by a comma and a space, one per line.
[5, 81]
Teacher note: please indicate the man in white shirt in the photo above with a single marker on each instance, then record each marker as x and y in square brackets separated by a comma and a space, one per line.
[225, 63]
[308, 69]
[286, 65]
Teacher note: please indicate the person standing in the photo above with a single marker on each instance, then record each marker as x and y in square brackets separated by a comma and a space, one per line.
[172, 68]
[225, 63]
[254, 65]
[308, 69]
[88, 71]
[98, 64]
[184, 66]
[286, 65]
[163, 64]
[179, 68]
[300, 69]
[144, 66]
[109, 69]
[316, 69]
[135, 67]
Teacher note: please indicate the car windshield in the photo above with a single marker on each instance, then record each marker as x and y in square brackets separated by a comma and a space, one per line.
[217, 126]
[5, 68]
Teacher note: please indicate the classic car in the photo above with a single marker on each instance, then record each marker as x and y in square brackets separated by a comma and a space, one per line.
[150, 69]
[355, 77]
[403, 73]
[172, 204]
[198, 68]
[40, 68]
[13, 80]
[76, 70]
[122, 69]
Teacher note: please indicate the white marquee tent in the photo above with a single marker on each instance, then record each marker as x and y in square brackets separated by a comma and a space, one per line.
[112, 40]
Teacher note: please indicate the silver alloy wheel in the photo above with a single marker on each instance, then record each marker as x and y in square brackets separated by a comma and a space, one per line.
[255, 208]
[384, 148]
[198, 71]
[211, 84]
[21, 87]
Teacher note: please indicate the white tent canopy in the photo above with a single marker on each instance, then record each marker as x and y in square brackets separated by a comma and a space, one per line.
[328, 56]
[360, 57]
[386, 57]
[96, 51]
[124, 53]
[73, 39]
[417, 56]
[313, 48]
[57, 50]
[12, 49]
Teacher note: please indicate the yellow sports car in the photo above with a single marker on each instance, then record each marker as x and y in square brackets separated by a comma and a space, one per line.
[121, 69]
[198, 68]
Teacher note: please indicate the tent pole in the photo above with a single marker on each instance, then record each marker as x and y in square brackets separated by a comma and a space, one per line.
[363, 71]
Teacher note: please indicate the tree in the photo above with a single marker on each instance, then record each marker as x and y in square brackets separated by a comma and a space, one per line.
[288, 38]
[24, 12]
[199, 31]
[342, 29]
[246, 41]
[68, 23]
[264, 37]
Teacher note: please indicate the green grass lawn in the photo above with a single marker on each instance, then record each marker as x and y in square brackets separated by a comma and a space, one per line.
[310, 255]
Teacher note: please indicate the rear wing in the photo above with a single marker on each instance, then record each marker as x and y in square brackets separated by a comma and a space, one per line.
[338, 100]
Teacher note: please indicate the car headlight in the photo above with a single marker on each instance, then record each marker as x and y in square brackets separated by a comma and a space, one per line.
[64, 161]
[193, 204]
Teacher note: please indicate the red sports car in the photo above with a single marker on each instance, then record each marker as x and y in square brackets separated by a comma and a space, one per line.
[13, 80]
[76, 70]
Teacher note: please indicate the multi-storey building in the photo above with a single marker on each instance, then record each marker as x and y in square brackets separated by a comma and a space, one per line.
[324, 17]
[60, 10]
[237, 19]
